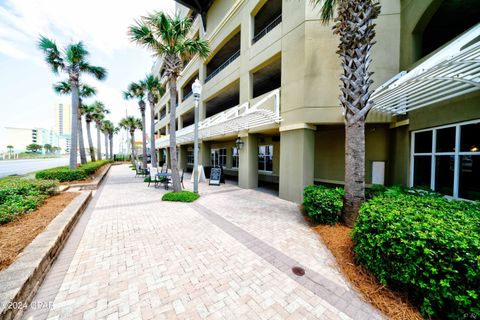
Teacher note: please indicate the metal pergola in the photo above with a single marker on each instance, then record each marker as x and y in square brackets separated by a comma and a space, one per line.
[233, 120]
[451, 72]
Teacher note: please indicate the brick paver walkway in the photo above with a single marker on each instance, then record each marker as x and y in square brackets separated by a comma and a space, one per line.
[229, 255]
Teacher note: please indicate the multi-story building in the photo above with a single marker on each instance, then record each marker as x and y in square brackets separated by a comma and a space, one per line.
[63, 119]
[272, 82]
[20, 138]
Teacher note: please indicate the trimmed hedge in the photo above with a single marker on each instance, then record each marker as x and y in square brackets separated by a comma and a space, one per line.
[182, 196]
[427, 246]
[20, 195]
[323, 205]
[63, 174]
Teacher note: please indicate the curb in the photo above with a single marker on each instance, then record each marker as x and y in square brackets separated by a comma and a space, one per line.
[21, 280]
[95, 183]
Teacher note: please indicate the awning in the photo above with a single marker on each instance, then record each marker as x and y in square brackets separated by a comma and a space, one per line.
[242, 117]
[451, 72]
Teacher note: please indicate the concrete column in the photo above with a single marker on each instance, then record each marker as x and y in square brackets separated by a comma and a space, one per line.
[204, 156]
[202, 111]
[248, 155]
[182, 157]
[297, 159]
[179, 123]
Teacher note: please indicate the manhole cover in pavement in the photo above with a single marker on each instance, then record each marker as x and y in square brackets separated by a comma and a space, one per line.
[298, 271]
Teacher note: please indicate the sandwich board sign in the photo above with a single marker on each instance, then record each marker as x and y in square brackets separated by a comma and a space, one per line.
[215, 176]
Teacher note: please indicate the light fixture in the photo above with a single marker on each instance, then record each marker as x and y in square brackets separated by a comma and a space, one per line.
[196, 88]
[474, 149]
[239, 143]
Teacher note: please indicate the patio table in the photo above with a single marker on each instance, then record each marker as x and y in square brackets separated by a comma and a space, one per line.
[164, 175]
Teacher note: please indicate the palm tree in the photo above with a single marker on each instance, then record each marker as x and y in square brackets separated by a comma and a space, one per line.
[107, 127]
[131, 124]
[85, 91]
[89, 112]
[136, 90]
[355, 26]
[155, 92]
[73, 61]
[115, 130]
[10, 148]
[167, 37]
[98, 116]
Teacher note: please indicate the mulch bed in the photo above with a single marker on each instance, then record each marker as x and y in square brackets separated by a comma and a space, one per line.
[18, 234]
[338, 240]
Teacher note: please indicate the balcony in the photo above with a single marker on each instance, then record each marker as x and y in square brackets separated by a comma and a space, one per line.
[275, 22]
[187, 95]
[223, 66]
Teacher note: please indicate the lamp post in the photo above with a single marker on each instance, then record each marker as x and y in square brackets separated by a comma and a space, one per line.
[197, 90]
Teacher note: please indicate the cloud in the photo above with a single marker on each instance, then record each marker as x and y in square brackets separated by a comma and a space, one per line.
[102, 25]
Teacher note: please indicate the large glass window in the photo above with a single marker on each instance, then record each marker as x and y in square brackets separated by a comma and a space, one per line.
[219, 157]
[447, 160]
[265, 158]
[235, 157]
[190, 157]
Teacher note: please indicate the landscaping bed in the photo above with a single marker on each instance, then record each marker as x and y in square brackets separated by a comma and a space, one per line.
[16, 235]
[63, 174]
[408, 248]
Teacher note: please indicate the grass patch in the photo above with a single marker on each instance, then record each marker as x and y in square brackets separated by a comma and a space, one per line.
[182, 196]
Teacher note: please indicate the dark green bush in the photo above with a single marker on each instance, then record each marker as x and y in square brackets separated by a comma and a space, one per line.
[20, 195]
[427, 246]
[64, 174]
[182, 196]
[323, 205]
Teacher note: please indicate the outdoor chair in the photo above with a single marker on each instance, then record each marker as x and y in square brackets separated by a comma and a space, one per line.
[154, 178]
[139, 171]
[169, 180]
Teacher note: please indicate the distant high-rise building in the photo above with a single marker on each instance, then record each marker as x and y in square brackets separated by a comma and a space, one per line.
[63, 119]
[20, 138]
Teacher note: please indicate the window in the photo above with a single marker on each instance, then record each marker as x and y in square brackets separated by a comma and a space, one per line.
[265, 158]
[219, 157]
[190, 157]
[447, 160]
[235, 157]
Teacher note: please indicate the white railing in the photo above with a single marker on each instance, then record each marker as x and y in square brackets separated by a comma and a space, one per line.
[238, 118]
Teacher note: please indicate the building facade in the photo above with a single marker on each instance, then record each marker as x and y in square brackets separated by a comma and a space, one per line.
[272, 81]
[20, 138]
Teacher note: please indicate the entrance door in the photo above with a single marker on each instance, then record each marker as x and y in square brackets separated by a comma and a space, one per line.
[219, 157]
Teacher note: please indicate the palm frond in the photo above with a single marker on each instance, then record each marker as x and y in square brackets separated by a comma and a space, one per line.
[99, 73]
[141, 34]
[327, 9]
[53, 57]
[76, 53]
[62, 87]
[86, 91]
[194, 46]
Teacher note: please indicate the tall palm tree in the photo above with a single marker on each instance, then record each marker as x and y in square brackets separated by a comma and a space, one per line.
[115, 130]
[136, 90]
[107, 127]
[72, 61]
[167, 37]
[89, 112]
[355, 26]
[155, 92]
[131, 124]
[98, 116]
[84, 91]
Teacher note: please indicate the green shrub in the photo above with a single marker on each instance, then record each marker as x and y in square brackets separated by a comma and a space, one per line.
[64, 174]
[323, 205]
[182, 196]
[20, 195]
[427, 246]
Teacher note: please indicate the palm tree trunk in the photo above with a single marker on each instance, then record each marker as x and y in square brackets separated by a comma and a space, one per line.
[354, 171]
[153, 158]
[111, 146]
[173, 138]
[99, 143]
[132, 134]
[90, 142]
[106, 145]
[81, 144]
[144, 131]
[74, 133]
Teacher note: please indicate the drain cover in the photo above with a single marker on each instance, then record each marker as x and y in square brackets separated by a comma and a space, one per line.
[298, 271]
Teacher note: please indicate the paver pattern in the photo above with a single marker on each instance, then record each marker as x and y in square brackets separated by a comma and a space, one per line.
[227, 256]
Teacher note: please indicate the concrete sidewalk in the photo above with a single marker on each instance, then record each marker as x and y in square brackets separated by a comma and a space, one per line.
[229, 255]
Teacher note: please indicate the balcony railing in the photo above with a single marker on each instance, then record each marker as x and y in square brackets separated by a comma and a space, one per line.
[275, 22]
[185, 97]
[223, 65]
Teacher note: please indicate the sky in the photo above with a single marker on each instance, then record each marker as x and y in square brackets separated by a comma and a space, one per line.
[27, 98]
